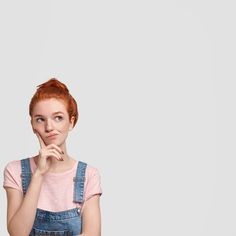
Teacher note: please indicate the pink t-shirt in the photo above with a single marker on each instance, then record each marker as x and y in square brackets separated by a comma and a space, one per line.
[57, 188]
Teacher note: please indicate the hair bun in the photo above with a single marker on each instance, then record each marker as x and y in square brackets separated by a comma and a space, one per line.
[54, 83]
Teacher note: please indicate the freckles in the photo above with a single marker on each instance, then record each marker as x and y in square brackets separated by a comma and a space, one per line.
[65, 130]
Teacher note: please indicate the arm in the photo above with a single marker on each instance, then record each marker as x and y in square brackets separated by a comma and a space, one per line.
[21, 210]
[91, 217]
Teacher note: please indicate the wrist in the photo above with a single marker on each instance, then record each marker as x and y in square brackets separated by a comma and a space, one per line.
[37, 174]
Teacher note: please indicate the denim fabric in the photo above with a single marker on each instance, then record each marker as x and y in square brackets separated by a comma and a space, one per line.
[62, 223]
[25, 174]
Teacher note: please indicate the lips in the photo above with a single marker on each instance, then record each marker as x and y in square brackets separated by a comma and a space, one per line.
[52, 135]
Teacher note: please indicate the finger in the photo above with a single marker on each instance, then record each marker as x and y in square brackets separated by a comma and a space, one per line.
[52, 154]
[54, 146]
[41, 142]
[59, 157]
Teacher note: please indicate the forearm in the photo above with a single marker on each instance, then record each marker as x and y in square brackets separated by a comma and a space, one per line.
[22, 222]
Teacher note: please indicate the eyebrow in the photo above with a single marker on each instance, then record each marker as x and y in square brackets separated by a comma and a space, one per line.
[54, 113]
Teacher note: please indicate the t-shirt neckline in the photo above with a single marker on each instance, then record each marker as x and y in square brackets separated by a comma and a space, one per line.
[54, 173]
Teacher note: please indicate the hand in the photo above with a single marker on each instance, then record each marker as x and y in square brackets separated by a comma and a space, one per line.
[47, 152]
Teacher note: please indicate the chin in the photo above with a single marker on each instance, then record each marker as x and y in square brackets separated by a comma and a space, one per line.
[54, 142]
[59, 144]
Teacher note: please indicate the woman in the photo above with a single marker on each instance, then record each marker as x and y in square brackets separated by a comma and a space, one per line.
[52, 193]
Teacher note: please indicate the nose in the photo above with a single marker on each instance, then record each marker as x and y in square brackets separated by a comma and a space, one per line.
[48, 126]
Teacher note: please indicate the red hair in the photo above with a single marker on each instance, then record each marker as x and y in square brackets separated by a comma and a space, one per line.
[53, 88]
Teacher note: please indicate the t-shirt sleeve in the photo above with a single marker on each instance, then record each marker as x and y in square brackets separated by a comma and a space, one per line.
[92, 183]
[11, 177]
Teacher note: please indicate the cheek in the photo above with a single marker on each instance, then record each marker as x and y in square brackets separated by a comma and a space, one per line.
[36, 126]
[64, 128]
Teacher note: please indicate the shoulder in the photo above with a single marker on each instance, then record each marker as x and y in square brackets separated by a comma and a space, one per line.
[13, 165]
[92, 176]
[92, 182]
[91, 171]
[12, 175]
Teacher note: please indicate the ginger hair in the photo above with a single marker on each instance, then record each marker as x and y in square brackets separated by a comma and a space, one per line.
[53, 88]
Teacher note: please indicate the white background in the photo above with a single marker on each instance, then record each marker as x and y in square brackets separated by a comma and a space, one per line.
[155, 85]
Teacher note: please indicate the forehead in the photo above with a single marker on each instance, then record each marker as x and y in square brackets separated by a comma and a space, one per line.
[49, 106]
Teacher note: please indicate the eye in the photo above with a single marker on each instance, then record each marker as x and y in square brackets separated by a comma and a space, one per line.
[58, 118]
[39, 120]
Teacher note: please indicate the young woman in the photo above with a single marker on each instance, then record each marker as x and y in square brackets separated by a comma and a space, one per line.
[52, 193]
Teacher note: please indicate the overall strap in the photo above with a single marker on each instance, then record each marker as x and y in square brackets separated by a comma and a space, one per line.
[79, 182]
[25, 174]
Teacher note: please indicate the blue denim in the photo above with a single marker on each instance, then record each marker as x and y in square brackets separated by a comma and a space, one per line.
[62, 223]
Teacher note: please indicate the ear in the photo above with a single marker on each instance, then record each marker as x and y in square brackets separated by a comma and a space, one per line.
[72, 121]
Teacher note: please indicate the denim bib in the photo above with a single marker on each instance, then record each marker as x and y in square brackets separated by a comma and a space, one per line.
[62, 223]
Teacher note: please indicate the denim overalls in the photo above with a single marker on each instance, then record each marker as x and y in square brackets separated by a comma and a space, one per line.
[62, 223]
